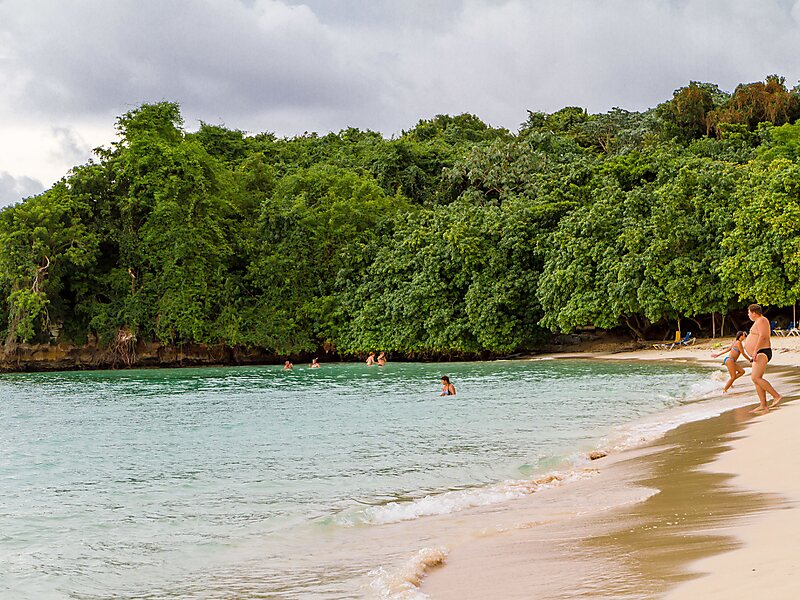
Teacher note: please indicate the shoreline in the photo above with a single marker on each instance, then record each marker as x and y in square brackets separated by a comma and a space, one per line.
[40, 358]
[731, 501]
[632, 471]
[764, 460]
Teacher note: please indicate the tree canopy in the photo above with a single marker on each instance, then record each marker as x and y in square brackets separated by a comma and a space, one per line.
[453, 238]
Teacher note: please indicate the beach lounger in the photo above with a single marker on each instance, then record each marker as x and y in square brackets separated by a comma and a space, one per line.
[687, 340]
[792, 330]
[668, 345]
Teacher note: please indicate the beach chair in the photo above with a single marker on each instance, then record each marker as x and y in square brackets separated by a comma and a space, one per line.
[775, 330]
[793, 330]
[687, 340]
[668, 345]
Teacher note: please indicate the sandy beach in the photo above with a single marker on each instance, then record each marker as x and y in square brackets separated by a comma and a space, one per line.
[763, 459]
[719, 521]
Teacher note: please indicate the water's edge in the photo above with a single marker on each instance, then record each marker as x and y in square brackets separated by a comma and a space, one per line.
[662, 535]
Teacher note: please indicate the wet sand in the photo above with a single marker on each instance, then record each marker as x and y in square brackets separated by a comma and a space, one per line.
[766, 559]
[719, 506]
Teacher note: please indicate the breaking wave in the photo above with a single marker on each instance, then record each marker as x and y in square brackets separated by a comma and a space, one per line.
[404, 583]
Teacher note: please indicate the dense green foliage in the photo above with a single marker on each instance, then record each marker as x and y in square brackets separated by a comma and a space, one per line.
[453, 238]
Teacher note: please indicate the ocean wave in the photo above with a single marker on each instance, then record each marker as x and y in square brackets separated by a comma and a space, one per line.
[403, 583]
[458, 500]
[705, 389]
[703, 400]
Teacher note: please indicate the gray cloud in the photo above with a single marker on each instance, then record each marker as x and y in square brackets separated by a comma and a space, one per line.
[207, 55]
[13, 189]
[385, 14]
[367, 60]
[72, 148]
[291, 66]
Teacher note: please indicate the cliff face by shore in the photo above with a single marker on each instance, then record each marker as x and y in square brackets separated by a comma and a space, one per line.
[67, 357]
[126, 353]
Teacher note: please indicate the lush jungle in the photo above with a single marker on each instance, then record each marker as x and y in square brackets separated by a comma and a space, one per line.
[454, 237]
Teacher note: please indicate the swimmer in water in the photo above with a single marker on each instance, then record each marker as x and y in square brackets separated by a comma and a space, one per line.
[288, 366]
[370, 359]
[381, 359]
[314, 364]
[448, 389]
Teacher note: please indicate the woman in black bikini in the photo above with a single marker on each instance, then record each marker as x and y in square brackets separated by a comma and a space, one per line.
[736, 349]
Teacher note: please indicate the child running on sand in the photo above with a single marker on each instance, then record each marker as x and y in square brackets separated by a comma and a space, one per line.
[736, 349]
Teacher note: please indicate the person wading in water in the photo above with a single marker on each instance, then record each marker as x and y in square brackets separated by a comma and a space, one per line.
[448, 389]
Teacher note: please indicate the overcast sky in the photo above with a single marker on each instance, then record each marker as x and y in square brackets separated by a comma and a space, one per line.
[68, 68]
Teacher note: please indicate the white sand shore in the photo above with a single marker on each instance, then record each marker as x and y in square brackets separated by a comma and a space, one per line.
[765, 458]
[761, 458]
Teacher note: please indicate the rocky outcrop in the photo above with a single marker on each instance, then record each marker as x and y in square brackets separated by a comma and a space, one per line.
[68, 357]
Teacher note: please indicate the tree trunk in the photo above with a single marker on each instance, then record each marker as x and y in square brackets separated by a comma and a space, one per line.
[10, 343]
[643, 324]
[639, 334]
[699, 326]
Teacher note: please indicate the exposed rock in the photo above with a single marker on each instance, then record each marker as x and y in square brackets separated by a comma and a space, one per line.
[594, 455]
[137, 354]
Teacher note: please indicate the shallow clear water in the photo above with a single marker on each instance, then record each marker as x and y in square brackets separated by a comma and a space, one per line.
[188, 482]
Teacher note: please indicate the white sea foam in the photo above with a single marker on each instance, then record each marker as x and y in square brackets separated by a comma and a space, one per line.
[458, 500]
[701, 401]
[403, 583]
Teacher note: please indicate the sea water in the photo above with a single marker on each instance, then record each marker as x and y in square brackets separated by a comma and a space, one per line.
[258, 482]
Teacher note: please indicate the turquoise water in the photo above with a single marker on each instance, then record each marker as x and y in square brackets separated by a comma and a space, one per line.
[201, 483]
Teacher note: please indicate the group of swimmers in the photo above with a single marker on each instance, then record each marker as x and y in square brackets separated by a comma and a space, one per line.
[756, 348]
[448, 389]
[380, 361]
[288, 366]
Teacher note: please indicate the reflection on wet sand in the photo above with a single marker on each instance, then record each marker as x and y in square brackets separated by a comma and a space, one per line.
[634, 552]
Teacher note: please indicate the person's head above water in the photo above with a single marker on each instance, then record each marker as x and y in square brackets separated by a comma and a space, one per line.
[445, 379]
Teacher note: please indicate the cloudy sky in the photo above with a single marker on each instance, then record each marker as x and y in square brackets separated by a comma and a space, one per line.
[68, 68]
